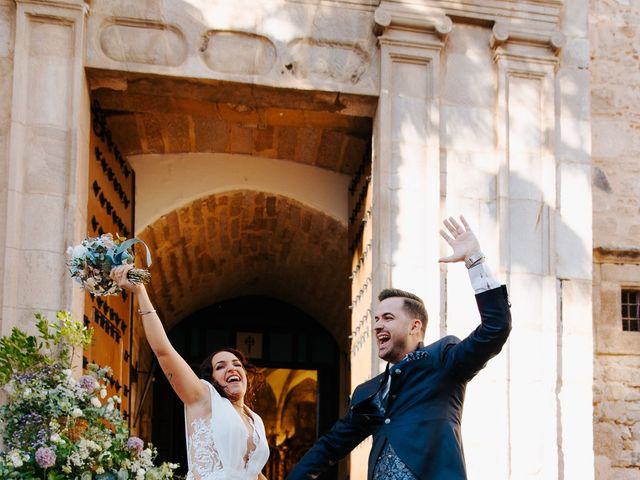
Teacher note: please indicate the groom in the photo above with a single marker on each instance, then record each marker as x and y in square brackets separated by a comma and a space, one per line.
[414, 408]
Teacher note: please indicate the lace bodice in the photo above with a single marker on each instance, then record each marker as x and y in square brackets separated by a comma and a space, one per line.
[218, 446]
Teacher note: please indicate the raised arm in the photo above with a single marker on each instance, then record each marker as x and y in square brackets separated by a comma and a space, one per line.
[183, 380]
[466, 358]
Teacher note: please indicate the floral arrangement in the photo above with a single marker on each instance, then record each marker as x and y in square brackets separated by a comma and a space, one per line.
[54, 426]
[91, 262]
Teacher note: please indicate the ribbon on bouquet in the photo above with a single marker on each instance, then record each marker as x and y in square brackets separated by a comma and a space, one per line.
[121, 254]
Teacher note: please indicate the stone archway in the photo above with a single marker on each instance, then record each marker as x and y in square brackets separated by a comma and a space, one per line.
[243, 243]
[250, 243]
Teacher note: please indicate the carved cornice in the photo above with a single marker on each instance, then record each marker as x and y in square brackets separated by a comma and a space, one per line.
[503, 32]
[425, 20]
[541, 14]
[81, 5]
[618, 256]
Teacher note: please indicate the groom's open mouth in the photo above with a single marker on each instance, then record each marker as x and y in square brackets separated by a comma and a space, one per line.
[233, 378]
[383, 339]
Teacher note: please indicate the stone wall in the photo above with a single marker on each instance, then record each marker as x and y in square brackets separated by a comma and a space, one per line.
[7, 36]
[615, 97]
[615, 50]
[617, 414]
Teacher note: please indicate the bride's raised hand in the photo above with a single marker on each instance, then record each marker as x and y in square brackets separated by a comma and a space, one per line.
[119, 275]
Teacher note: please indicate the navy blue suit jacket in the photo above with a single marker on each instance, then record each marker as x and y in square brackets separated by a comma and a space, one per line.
[424, 406]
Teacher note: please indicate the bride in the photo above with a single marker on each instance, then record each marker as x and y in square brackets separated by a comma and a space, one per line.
[225, 439]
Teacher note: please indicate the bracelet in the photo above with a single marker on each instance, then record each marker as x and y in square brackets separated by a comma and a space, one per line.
[474, 259]
[141, 312]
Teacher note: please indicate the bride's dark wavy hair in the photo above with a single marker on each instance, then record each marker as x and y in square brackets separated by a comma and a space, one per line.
[255, 377]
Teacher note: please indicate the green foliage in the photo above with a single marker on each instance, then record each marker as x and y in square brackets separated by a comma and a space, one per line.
[55, 426]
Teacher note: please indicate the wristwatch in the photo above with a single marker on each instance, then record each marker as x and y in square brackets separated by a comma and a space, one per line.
[473, 259]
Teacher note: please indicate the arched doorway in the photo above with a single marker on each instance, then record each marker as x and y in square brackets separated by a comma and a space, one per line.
[252, 264]
[297, 356]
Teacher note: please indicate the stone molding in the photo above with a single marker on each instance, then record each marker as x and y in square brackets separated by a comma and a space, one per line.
[428, 21]
[68, 4]
[619, 256]
[329, 47]
[541, 14]
[503, 32]
[171, 46]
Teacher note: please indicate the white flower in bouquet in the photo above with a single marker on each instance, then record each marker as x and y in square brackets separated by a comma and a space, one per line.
[61, 429]
[91, 262]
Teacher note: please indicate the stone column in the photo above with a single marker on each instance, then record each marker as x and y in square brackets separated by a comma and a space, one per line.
[532, 187]
[48, 148]
[406, 158]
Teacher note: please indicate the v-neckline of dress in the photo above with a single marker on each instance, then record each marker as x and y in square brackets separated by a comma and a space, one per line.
[250, 434]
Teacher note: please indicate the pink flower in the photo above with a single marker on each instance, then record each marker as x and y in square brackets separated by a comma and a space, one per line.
[88, 383]
[135, 444]
[45, 457]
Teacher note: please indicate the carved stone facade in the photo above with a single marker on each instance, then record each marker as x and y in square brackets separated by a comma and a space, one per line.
[250, 126]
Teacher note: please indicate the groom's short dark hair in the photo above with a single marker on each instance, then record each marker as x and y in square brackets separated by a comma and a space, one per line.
[413, 304]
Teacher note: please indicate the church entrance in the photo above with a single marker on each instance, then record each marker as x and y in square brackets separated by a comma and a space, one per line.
[296, 357]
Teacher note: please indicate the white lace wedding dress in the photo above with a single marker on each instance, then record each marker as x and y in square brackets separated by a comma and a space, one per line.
[218, 445]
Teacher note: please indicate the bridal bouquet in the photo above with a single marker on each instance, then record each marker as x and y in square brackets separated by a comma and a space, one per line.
[56, 426]
[91, 262]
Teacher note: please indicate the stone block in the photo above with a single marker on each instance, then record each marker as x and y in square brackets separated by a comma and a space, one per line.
[576, 53]
[410, 120]
[211, 135]
[410, 80]
[7, 33]
[308, 142]
[611, 138]
[409, 166]
[46, 161]
[43, 222]
[471, 175]
[576, 22]
[468, 129]
[319, 60]
[178, 134]
[471, 79]
[49, 102]
[529, 233]
[41, 279]
[152, 43]
[575, 95]
[238, 53]
[573, 225]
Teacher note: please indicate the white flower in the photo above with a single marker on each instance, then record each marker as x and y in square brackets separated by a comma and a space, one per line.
[10, 388]
[140, 473]
[95, 401]
[27, 392]
[15, 458]
[55, 438]
[99, 470]
[79, 251]
[67, 372]
[103, 392]
[110, 407]
[76, 412]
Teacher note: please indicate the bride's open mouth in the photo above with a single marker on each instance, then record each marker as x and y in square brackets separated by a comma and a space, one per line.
[233, 378]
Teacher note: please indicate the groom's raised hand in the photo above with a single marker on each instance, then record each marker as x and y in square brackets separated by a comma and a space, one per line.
[461, 239]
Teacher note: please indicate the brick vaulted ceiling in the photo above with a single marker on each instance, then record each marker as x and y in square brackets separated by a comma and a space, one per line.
[158, 115]
[244, 242]
[250, 243]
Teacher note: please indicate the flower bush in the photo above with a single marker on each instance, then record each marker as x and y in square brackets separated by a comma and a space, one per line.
[55, 426]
